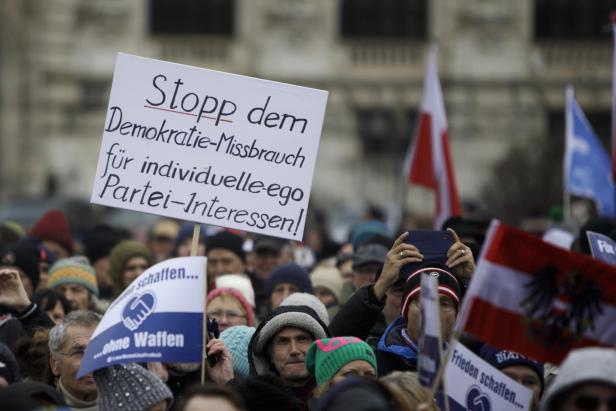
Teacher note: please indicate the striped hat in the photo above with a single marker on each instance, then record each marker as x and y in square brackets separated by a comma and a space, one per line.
[448, 285]
[73, 270]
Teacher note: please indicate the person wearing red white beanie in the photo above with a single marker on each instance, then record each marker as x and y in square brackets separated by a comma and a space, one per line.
[229, 307]
[397, 348]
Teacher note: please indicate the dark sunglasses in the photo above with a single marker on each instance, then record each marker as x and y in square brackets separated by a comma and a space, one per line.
[591, 403]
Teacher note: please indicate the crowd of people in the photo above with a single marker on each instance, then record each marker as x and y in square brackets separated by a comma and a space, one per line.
[303, 326]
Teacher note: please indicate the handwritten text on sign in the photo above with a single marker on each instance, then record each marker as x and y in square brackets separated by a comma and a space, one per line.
[208, 146]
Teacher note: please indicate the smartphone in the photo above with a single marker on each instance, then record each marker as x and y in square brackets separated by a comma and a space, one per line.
[432, 244]
[213, 332]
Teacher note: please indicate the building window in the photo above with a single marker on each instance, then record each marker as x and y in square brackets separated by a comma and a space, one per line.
[187, 17]
[385, 132]
[94, 94]
[573, 19]
[384, 18]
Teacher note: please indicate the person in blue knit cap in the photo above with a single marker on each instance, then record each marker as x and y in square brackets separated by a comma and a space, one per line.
[183, 241]
[526, 371]
[286, 280]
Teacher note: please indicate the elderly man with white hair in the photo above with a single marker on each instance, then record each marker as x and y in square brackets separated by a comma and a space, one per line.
[67, 343]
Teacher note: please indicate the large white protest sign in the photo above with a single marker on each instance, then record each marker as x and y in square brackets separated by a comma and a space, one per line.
[474, 385]
[208, 146]
[430, 353]
[159, 317]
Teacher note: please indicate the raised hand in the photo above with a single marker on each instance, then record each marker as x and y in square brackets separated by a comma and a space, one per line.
[222, 372]
[400, 254]
[460, 259]
[159, 369]
[12, 292]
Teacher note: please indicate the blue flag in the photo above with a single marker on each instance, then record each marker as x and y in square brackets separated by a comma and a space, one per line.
[587, 164]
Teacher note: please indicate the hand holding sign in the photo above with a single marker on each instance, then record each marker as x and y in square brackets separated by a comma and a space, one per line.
[137, 310]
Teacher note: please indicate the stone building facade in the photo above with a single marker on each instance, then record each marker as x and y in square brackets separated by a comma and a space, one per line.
[504, 65]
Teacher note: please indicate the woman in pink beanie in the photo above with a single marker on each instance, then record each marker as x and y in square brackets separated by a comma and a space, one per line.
[229, 307]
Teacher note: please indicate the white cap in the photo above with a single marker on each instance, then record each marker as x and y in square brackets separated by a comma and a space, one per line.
[585, 365]
[239, 282]
[559, 237]
[310, 301]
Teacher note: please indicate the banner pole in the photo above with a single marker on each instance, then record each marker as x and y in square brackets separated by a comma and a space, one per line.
[195, 240]
[567, 207]
[568, 130]
[193, 252]
[441, 369]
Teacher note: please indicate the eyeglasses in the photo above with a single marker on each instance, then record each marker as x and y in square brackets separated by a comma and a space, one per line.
[592, 403]
[230, 315]
[445, 303]
[397, 291]
[134, 267]
[76, 353]
[365, 270]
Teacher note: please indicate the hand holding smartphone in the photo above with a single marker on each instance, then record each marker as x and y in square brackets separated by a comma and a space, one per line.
[212, 332]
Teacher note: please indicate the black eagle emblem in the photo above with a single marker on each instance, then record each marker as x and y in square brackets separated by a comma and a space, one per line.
[560, 308]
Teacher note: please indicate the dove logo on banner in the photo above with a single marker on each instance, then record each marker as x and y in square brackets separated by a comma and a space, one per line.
[158, 318]
[474, 385]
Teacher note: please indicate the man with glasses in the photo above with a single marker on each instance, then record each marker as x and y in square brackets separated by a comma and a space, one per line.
[586, 381]
[67, 343]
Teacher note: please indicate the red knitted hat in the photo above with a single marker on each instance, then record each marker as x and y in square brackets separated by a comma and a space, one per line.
[53, 226]
[238, 296]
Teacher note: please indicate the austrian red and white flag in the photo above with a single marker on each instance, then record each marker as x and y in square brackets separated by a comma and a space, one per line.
[537, 299]
[428, 162]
